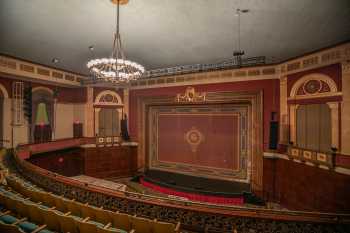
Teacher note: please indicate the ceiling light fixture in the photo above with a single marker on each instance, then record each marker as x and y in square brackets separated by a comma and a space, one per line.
[54, 60]
[115, 69]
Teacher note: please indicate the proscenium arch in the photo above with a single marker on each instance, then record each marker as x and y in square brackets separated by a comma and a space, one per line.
[314, 76]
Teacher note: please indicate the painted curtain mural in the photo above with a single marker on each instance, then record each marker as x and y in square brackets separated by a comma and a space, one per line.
[207, 140]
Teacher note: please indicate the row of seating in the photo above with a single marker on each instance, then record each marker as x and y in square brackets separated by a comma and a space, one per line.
[100, 217]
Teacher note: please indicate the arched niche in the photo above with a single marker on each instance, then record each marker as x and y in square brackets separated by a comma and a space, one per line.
[320, 89]
[42, 113]
[108, 108]
[314, 85]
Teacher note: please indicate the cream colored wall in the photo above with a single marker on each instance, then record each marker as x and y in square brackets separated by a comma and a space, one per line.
[64, 121]
[345, 109]
[66, 115]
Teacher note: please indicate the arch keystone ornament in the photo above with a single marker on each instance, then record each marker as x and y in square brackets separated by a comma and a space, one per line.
[194, 138]
[191, 95]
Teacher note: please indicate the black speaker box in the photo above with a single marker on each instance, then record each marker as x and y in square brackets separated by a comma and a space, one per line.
[273, 142]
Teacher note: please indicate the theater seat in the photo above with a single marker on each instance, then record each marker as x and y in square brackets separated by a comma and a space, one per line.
[104, 216]
[141, 225]
[163, 227]
[67, 224]
[84, 226]
[10, 228]
[121, 221]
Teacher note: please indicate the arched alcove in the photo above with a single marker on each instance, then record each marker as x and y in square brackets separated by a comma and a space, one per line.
[42, 113]
[108, 109]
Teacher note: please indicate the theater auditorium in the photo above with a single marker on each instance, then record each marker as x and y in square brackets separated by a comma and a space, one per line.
[164, 116]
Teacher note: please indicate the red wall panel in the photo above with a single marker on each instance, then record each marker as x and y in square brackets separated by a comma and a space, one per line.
[269, 87]
[220, 140]
[301, 187]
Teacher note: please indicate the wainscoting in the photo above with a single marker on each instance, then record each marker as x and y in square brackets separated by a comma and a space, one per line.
[301, 187]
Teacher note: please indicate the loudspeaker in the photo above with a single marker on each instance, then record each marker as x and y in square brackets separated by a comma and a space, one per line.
[273, 135]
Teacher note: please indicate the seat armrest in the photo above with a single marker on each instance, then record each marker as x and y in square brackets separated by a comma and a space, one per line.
[67, 214]
[4, 213]
[40, 228]
[107, 225]
[177, 228]
[19, 221]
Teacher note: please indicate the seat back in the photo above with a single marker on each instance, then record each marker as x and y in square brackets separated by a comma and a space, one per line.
[88, 211]
[22, 208]
[74, 208]
[163, 227]
[142, 225]
[121, 221]
[60, 204]
[87, 227]
[35, 214]
[37, 196]
[10, 203]
[48, 200]
[68, 224]
[51, 220]
[9, 228]
[104, 216]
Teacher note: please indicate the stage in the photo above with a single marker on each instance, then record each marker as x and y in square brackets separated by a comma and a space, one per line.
[198, 188]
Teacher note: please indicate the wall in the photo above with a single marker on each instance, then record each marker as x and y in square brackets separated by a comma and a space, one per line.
[301, 187]
[70, 107]
[67, 162]
[269, 87]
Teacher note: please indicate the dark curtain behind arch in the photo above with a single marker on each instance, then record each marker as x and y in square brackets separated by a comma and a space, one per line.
[42, 96]
[314, 129]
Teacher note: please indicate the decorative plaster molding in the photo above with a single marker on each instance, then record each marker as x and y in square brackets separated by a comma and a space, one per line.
[4, 91]
[315, 76]
[13, 67]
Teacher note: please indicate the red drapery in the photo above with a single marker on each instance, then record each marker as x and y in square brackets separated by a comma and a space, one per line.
[194, 196]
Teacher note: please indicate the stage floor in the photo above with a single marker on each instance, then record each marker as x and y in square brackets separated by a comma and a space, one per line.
[200, 185]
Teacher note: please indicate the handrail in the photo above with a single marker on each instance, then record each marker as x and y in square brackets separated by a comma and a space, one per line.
[290, 215]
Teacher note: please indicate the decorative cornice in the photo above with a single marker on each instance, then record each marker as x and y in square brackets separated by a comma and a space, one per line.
[15, 68]
[334, 55]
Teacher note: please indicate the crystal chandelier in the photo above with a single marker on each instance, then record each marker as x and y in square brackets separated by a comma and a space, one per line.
[116, 69]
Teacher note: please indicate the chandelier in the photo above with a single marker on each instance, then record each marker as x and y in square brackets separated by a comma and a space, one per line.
[116, 69]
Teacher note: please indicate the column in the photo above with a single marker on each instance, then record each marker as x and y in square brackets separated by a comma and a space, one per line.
[334, 106]
[292, 122]
[283, 138]
[345, 109]
[89, 113]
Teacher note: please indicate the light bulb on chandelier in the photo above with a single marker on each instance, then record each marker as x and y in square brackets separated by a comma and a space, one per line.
[116, 69]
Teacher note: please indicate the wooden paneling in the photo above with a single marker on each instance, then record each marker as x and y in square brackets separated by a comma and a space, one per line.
[103, 162]
[301, 187]
[68, 162]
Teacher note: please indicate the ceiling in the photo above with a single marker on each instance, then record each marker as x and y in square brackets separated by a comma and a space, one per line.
[166, 33]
